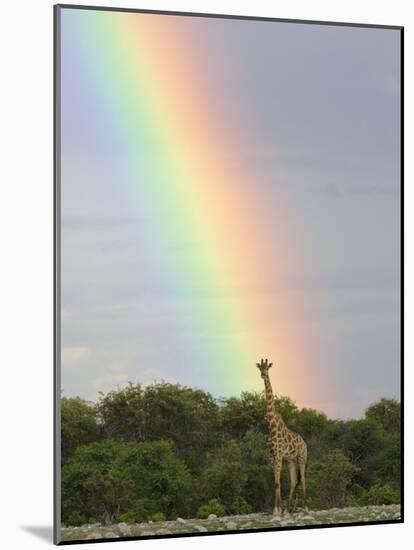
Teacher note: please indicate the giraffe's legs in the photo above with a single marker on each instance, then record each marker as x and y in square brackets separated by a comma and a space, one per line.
[302, 468]
[278, 501]
[293, 483]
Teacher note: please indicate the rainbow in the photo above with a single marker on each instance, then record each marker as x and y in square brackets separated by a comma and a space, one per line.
[148, 88]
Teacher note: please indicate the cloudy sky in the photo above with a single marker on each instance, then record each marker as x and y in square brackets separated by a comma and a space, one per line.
[302, 123]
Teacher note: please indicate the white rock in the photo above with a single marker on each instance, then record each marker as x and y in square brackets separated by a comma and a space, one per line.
[200, 528]
[123, 529]
[231, 525]
[181, 520]
[110, 535]
[212, 516]
[94, 535]
[147, 533]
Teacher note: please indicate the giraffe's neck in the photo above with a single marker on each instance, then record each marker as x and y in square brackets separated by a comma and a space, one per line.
[273, 415]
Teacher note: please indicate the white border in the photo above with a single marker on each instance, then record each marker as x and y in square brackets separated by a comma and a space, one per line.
[26, 234]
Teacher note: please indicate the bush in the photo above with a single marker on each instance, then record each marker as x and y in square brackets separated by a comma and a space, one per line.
[381, 494]
[176, 451]
[329, 479]
[140, 511]
[158, 516]
[75, 519]
[241, 506]
[93, 482]
[213, 506]
[128, 517]
[109, 479]
[356, 495]
[224, 477]
[79, 425]
[258, 489]
[188, 417]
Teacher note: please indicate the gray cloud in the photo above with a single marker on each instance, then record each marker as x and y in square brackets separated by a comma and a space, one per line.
[319, 111]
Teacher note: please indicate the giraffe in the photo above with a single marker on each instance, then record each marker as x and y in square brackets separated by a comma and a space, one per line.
[284, 445]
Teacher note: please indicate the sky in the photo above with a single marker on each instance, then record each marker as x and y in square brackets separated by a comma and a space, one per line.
[230, 190]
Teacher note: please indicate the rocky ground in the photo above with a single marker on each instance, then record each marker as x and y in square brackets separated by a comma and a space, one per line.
[233, 523]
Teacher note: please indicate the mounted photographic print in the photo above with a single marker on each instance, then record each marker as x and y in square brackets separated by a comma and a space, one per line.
[228, 274]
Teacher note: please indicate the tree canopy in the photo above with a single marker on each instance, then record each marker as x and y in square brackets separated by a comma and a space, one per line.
[166, 450]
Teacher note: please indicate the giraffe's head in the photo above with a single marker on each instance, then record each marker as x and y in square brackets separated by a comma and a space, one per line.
[264, 367]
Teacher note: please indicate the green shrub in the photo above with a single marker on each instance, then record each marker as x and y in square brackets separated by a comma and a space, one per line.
[381, 494]
[328, 480]
[224, 477]
[158, 516]
[128, 517]
[241, 506]
[356, 495]
[108, 479]
[139, 512]
[79, 425]
[177, 451]
[213, 506]
[75, 519]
